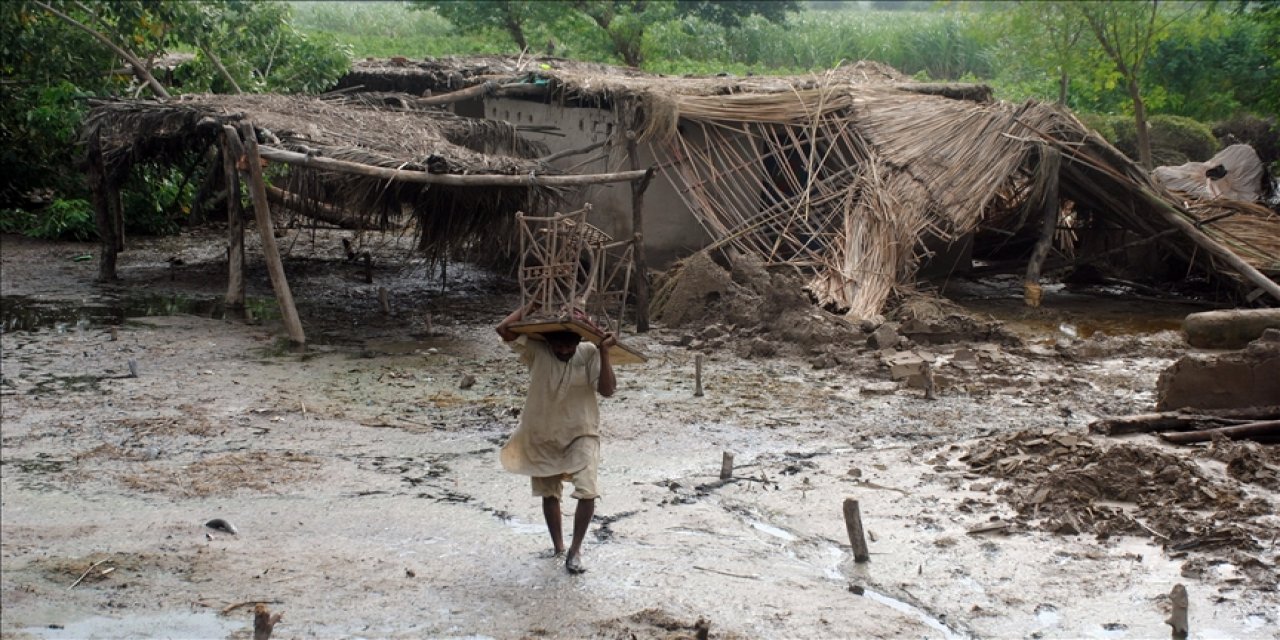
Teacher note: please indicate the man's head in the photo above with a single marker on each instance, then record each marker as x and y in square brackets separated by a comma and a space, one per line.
[563, 344]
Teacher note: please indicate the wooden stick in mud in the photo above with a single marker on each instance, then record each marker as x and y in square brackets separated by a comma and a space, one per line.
[697, 375]
[1178, 619]
[262, 212]
[86, 573]
[726, 466]
[853, 525]
[1266, 428]
[1050, 159]
[264, 621]
[384, 301]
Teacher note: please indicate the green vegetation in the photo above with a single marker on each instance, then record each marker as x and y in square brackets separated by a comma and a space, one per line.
[1185, 67]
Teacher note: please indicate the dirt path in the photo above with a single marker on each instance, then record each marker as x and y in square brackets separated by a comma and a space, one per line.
[365, 486]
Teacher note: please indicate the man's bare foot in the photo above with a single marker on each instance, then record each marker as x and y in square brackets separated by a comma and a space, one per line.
[573, 564]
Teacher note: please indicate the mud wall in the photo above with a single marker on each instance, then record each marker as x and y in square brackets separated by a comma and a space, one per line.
[671, 231]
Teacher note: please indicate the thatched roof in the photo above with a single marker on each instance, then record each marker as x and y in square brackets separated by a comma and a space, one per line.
[861, 163]
[369, 130]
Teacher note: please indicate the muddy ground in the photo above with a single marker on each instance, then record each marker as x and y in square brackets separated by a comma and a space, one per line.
[369, 502]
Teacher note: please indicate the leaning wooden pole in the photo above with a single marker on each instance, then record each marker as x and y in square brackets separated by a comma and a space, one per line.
[231, 150]
[262, 212]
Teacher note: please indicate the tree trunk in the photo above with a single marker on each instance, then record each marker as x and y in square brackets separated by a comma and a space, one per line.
[101, 210]
[1140, 121]
[1064, 81]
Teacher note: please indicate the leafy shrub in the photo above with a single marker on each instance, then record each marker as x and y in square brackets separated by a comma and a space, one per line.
[63, 220]
[1174, 139]
[1263, 134]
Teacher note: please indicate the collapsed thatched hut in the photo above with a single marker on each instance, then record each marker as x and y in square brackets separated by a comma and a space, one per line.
[362, 159]
[855, 177]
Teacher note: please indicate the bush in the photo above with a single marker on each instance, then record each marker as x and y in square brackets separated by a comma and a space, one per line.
[1263, 134]
[1174, 139]
[61, 220]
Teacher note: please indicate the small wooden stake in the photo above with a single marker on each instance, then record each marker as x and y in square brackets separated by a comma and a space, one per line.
[853, 524]
[264, 621]
[726, 466]
[697, 379]
[1178, 619]
[384, 301]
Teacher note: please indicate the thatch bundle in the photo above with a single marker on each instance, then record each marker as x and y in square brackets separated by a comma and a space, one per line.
[369, 130]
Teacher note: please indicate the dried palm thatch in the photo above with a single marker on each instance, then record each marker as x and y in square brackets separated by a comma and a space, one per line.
[841, 174]
[357, 130]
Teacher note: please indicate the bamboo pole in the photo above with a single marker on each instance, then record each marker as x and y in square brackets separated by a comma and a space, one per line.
[262, 212]
[235, 220]
[448, 179]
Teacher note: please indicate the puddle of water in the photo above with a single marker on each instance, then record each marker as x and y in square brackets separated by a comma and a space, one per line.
[773, 531]
[25, 313]
[168, 625]
[923, 616]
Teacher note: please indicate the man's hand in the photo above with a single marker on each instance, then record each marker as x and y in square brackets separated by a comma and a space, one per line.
[608, 383]
[503, 327]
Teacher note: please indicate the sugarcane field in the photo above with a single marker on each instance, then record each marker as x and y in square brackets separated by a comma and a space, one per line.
[535, 346]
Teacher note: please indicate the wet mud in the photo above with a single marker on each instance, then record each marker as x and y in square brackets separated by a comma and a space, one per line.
[362, 477]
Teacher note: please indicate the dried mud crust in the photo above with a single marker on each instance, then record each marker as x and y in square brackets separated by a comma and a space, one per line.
[1070, 484]
[659, 625]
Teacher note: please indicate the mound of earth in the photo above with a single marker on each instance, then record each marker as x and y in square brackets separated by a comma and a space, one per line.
[1070, 484]
[768, 310]
[763, 309]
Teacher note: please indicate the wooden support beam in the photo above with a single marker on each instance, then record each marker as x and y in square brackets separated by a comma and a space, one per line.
[98, 193]
[1050, 160]
[1183, 420]
[637, 228]
[231, 150]
[262, 212]
[448, 179]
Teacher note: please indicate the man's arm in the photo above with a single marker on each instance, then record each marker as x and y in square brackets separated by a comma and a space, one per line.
[608, 383]
[504, 327]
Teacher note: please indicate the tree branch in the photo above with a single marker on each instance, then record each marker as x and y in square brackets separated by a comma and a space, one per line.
[139, 69]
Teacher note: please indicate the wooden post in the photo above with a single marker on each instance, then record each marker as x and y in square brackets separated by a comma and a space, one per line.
[697, 375]
[637, 228]
[1050, 160]
[262, 212]
[231, 150]
[1178, 618]
[384, 301]
[264, 622]
[98, 193]
[726, 466]
[853, 525]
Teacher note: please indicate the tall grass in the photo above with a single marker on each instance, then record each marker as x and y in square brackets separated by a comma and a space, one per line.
[385, 29]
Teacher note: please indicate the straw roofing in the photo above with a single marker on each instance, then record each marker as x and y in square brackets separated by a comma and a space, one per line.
[371, 130]
[842, 174]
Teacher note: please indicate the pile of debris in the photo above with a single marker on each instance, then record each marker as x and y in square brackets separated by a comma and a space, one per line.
[1069, 484]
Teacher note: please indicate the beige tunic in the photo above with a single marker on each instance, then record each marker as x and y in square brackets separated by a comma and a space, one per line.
[561, 408]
